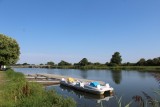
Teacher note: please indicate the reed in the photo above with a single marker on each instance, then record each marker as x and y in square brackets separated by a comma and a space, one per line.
[141, 101]
[119, 102]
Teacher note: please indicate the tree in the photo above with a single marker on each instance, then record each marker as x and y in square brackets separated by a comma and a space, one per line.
[9, 50]
[158, 61]
[41, 64]
[97, 63]
[50, 63]
[141, 62]
[149, 62]
[83, 62]
[116, 59]
[64, 63]
[155, 61]
[107, 63]
[25, 63]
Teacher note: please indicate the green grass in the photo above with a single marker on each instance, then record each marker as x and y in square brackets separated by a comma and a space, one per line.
[17, 92]
[1, 76]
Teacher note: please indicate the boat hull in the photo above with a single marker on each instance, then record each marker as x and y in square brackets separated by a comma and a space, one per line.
[97, 92]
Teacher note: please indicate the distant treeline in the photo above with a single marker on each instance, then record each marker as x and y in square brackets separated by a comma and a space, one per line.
[116, 60]
[149, 62]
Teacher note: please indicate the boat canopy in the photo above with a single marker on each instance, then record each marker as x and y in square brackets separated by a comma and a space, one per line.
[71, 80]
[94, 84]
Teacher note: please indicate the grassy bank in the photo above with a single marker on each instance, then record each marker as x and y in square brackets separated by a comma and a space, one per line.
[1, 77]
[1, 84]
[18, 92]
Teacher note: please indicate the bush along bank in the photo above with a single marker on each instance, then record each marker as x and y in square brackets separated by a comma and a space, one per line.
[17, 92]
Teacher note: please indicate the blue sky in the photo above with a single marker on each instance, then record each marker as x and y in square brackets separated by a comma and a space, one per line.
[54, 30]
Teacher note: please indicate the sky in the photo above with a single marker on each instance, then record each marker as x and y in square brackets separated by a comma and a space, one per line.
[55, 30]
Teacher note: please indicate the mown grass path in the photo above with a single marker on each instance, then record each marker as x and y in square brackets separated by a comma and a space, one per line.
[1, 79]
[1, 84]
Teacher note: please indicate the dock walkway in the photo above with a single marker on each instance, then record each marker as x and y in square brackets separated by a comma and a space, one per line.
[45, 78]
[59, 77]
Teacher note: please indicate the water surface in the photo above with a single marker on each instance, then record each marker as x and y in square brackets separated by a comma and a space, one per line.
[133, 86]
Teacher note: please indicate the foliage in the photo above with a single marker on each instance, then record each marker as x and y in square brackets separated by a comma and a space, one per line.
[64, 63]
[128, 64]
[107, 63]
[17, 92]
[149, 62]
[141, 62]
[97, 63]
[83, 62]
[25, 63]
[10, 50]
[116, 59]
[50, 63]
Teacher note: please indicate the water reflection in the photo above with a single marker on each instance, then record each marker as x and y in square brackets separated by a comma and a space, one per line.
[116, 76]
[80, 94]
[84, 74]
[156, 76]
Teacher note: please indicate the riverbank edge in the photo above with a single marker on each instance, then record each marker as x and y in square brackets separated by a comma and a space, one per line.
[88, 67]
[17, 91]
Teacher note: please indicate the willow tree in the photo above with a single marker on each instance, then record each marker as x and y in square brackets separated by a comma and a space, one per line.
[9, 50]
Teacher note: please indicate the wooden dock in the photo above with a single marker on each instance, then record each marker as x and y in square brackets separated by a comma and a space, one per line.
[59, 77]
[45, 78]
[42, 80]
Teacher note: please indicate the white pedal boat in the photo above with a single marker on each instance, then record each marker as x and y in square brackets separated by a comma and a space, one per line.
[92, 87]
